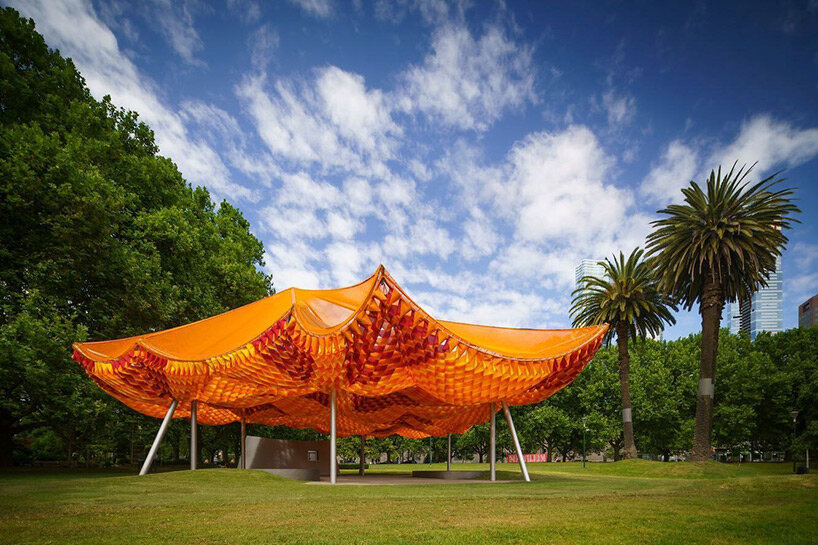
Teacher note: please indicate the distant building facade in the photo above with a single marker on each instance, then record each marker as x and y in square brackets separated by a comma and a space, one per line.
[588, 267]
[764, 311]
[808, 312]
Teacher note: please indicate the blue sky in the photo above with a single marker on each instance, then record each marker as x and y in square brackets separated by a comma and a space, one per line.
[478, 150]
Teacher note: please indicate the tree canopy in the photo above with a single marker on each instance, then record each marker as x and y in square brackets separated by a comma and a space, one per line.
[100, 237]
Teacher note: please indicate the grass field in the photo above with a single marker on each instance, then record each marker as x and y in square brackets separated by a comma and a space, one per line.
[625, 502]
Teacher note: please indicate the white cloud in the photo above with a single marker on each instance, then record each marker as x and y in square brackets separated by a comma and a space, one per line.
[262, 42]
[771, 142]
[175, 20]
[466, 82]
[619, 109]
[677, 167]
[481, 238]
[333, 121]
[346, 262]
[317, 8]
[556, 187]
[73, 26]
[360, 116]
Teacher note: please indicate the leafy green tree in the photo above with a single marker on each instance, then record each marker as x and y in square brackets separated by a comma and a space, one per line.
[720, 245]
[663, 389]
[545, 425]
[474, 442]
[100, 237]
[794, 357]
[626, 297]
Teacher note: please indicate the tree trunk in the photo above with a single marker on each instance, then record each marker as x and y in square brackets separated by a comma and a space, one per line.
[479, 457]
[712, 302]
[363, 456]
[629, 449]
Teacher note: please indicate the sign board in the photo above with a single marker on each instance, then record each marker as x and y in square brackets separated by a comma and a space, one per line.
[539, 457]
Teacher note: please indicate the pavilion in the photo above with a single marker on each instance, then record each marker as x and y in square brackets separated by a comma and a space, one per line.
[363, 360]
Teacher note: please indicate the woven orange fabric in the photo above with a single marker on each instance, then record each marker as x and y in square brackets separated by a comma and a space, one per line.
[395, 369]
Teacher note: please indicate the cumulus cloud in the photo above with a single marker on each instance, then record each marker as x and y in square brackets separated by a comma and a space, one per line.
[73, 26]
[333, 120]
[467, 82]
[678, 165]
[555, 181]
[772, 143]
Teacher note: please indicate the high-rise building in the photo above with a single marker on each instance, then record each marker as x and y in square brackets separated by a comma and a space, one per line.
[764, 311]
[588, 267]
[808, 312]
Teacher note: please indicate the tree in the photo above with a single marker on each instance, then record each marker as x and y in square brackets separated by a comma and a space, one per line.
[626, 298]
[663, 389]
[794, 385]
[100, 237]
[474, 441]
[720, 245]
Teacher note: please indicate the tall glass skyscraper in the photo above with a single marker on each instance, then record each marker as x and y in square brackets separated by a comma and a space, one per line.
[765, 309]
[588, 267]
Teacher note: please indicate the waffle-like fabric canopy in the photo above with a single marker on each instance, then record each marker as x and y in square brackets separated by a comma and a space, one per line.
[394, 368]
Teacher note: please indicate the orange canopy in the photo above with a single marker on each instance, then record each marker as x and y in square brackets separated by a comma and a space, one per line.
[395, 369]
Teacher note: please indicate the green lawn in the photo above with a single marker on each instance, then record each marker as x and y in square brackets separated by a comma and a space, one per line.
[626, 502]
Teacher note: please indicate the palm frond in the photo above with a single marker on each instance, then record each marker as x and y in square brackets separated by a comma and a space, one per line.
[731, 229]
[627, 292]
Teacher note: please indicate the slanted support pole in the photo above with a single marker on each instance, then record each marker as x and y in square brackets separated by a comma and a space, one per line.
[519, 449]
[449, 452]
[243, 441]
[493, 445]
[163, 428]
[194, 436]
[333, 438]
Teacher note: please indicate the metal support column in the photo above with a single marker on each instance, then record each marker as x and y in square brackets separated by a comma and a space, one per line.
[493, 445]
[194, 436]
[163, 428]
[449, 453]
[513, 431]
[333, 438]
[243, 441]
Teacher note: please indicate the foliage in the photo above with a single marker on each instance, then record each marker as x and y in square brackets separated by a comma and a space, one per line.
[720, 245]
[625, 297]
[732, 230]
[626, 293]
[100, 237]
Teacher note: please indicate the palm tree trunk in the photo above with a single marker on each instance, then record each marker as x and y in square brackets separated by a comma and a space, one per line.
[711, 306]
[629, 450]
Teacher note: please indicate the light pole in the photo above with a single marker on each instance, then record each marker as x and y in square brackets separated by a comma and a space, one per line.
[794, 415]
[584, 429]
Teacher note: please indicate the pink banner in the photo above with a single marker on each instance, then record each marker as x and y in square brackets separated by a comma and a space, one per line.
[512, 458]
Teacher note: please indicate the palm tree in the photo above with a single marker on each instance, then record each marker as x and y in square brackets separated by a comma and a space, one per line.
[720, 245]
[627, 298]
